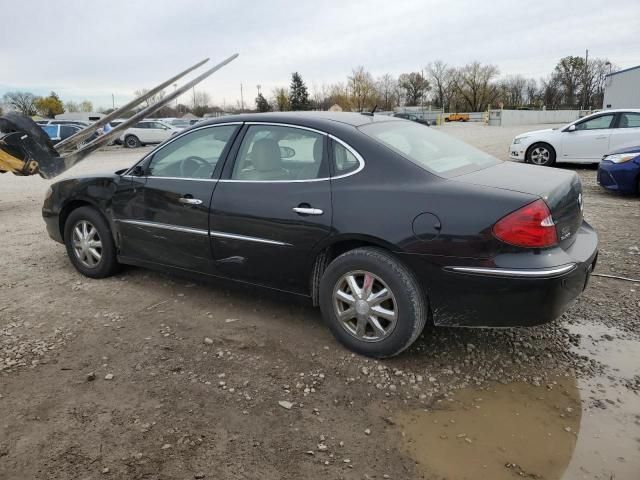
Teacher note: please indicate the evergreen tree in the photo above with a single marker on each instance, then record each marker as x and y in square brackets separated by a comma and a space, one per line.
[261, 103]
[298, 95]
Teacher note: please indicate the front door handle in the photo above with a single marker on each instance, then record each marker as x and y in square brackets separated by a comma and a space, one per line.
[601, 137]
[307, 211]
[190, 201]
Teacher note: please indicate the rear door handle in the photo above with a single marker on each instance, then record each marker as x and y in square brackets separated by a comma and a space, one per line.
[307, 211]
[190, 201]
[601, 137]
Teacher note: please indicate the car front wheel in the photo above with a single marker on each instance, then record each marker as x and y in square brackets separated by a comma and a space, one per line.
[131, 141]
[372, 303]
[89, 243]
[541, 154]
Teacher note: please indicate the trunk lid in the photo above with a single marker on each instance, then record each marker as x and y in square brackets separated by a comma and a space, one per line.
[560, 189]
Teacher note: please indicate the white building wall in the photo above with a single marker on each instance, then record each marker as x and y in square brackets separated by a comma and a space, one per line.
[531, 117]
[622, 89]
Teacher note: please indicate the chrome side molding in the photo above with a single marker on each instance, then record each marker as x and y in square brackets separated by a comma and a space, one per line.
[524, 273]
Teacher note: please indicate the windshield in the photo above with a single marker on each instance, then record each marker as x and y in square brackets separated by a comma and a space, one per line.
[434, 151]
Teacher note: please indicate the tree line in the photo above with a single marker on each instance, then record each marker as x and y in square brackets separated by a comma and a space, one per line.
[574, 83]
[47, 107]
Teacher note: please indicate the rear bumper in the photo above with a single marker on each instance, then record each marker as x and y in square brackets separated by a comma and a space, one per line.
[490, 296]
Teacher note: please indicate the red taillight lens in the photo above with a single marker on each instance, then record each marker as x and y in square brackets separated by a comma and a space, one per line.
[530, 226]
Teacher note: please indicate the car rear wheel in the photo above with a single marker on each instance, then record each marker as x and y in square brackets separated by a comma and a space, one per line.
[372, 303]
[89, 243]
[541, 154]
[131, 141]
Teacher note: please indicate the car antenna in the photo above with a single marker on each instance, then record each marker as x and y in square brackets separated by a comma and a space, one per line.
[373, 110]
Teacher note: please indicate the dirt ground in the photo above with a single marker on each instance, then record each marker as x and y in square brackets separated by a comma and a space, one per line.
[150, 376]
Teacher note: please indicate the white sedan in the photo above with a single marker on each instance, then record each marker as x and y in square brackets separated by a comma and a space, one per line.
[586, 140]
[147, 131]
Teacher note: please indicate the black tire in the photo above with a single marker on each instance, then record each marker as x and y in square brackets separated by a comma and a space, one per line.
[408, 301]
[537, 149]
[107, 265]
[131, 141]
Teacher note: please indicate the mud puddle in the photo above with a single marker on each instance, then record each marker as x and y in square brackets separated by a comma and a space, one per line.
[568, 429]
[502, 432]
[609, 441]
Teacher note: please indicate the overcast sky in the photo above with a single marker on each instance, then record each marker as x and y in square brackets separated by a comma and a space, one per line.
[92, 49]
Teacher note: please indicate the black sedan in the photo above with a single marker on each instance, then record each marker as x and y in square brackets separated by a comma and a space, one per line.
[383, 223]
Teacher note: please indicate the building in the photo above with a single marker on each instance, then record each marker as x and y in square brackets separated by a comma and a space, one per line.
[84, 116]
[622, 89]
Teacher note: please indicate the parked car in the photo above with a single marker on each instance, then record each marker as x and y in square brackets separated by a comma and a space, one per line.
[586, 140]
[57, 133]
[177, 122]
[383, 223]
[147, 131]
[457, 117]
[413, 118]
[79, 123]
[620, 171]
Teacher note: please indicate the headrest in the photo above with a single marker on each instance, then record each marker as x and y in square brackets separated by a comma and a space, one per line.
[265, 155]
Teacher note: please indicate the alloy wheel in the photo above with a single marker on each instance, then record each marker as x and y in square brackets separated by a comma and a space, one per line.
[87, 244]
[540, 155]
[365, 306]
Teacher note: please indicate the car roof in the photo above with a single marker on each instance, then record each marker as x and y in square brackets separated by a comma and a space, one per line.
[316, 118]
[617, 110]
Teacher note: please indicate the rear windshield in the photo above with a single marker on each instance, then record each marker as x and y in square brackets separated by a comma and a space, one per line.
[434, 151]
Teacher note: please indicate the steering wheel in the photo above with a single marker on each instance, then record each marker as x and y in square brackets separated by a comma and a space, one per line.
[194, 160]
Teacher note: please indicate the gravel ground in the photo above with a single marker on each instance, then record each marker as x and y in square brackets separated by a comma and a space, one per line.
[150, 376]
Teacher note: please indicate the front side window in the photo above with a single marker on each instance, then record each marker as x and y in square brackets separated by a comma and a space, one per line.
[194, 155]
[629, 120]
[276, 153]
[598, 123]
[434, 151]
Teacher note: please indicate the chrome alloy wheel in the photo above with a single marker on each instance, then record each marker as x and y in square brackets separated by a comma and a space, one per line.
[540, 155]
[87, 244]
[365, 306]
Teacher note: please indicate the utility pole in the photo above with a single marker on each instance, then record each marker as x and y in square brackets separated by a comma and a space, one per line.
[585, 98]
[113, 101]
[241, 99]
[194, 96]
[258, 87]
[175, 86]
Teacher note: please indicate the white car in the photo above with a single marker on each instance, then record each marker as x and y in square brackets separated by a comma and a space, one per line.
[147, 131]
[586, 140]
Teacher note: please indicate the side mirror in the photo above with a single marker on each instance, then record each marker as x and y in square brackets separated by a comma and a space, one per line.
[138, 171]
[572, 128]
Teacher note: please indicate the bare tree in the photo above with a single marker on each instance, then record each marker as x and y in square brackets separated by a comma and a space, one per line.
[415, 87]
[151, 100]
[23, 102]
[386, 86]
[513, 90]
[570, 71]
[363, 89]
[474, 84]
[86, 106]
[71, 106]
[442, 79]
[551, 91]
[320, 97]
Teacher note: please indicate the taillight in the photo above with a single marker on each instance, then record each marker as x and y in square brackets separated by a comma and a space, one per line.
[530, 226]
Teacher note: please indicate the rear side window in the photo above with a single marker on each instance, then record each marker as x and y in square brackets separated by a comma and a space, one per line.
[434, 151]
[343, 160]
[278, 153]
[629, 120]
